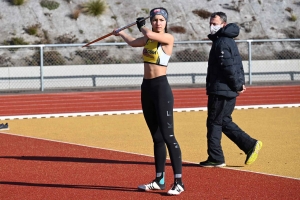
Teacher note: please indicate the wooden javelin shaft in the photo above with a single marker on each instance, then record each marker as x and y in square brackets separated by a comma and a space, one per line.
[118, 30]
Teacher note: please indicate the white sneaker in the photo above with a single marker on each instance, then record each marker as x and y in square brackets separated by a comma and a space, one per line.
[176, 189]
[152, 186]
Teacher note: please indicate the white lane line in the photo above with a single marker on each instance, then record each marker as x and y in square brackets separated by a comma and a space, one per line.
[94, 147]
[127, 112]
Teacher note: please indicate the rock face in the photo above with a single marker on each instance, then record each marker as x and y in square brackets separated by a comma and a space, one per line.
[258, 19]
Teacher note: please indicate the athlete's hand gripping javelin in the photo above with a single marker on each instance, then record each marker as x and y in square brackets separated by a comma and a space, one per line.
[117, 31]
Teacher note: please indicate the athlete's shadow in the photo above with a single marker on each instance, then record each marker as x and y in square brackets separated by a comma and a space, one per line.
[75, 159]
[96, 187]
[85, 160]
[90, 187]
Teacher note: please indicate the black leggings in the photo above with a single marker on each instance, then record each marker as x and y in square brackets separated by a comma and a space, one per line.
[157, 103]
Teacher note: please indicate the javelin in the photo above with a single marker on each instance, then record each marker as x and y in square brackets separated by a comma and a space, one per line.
[118, 30]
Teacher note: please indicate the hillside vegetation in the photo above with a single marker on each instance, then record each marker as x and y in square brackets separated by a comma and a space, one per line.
[80, 21]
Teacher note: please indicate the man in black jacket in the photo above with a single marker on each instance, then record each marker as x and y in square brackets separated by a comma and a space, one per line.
[224, 82]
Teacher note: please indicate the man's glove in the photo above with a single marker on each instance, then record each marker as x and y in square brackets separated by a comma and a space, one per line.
[140, 23]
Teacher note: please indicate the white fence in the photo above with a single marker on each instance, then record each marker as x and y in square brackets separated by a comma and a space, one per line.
[107, 75]
[80, 75]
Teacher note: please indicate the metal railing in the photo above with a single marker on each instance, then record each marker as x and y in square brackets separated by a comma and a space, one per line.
[50, 66]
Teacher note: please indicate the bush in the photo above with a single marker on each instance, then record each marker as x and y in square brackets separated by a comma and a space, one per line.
[290, 10]
[293, 18]
[51, 5]
[50, 58]
[93, 57]
[44, 37]
[75, 14]
[189, 55]
[287, 54]
[66, 39]
[16, 41]
[33, 29]
[178, 29]
[17, 2]
[146, 10]
[4, 61]
[292, 32]
[53, 58]
[94, 7]
[202, 13]
[102, 57]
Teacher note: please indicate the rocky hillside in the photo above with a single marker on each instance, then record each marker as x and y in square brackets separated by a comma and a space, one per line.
[188, 19]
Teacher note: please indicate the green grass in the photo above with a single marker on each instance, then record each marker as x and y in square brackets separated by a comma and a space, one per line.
[51, 5]
[146, 10]
[17, 2]
[17, 41]
[33, 29]
[293, 18]
[95, 7]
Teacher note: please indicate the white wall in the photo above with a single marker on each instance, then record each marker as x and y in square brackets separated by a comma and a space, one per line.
[131, 69]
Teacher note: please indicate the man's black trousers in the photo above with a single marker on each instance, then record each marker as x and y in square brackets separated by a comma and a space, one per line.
[219, 120]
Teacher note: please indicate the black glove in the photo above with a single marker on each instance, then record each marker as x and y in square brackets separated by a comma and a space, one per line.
[140, 23]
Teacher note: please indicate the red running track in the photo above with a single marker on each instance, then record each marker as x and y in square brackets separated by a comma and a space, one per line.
[35, 169]
[49, 103]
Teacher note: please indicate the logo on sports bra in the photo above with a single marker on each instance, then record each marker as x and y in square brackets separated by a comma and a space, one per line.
[149, 53]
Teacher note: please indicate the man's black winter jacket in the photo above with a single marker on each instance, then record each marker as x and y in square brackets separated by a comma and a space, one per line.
[225, 73]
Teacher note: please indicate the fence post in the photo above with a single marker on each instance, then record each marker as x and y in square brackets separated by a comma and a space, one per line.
[249, 62]
[292, 76]
[42, 67]
[193, 78]
[94, 80]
